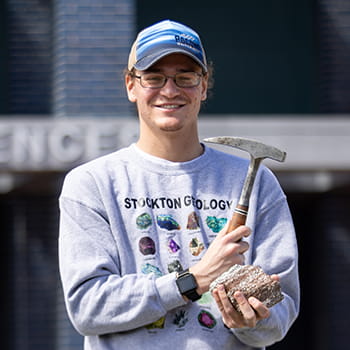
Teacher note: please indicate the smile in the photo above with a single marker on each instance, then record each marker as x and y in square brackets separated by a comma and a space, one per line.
[172, 106]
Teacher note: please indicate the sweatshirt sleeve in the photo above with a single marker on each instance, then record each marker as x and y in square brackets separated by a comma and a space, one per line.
[99, 299]
[274, 248]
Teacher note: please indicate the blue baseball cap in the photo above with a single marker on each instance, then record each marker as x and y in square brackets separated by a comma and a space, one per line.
[162, 39]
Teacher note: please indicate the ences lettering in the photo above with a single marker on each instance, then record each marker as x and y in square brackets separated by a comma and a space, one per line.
[43, 146]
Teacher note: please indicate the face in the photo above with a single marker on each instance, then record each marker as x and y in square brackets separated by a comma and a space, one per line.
[169, 108]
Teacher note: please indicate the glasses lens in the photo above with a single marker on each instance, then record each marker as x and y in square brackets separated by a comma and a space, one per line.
[152, 80]
[187, 79]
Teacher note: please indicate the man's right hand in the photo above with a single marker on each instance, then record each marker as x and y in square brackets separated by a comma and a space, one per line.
[224, 251]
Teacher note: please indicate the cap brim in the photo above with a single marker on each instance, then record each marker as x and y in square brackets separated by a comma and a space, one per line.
[148, 61]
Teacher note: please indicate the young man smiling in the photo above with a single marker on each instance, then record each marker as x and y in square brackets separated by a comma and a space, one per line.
[168, 114]
[137, 277]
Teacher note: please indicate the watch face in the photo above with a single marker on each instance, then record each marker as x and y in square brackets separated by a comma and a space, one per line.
[186, 283]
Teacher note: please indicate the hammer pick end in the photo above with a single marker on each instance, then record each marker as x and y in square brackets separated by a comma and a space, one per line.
[256, 149]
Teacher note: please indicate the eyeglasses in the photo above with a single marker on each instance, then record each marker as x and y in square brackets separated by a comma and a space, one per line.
[158, 80]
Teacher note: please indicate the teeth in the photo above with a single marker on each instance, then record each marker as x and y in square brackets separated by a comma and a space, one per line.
[170, 106]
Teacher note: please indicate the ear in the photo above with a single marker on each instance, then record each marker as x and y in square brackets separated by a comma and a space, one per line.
[130, 86]
[204, 88]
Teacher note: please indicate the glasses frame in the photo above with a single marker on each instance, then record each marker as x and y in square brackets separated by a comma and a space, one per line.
[166, 77]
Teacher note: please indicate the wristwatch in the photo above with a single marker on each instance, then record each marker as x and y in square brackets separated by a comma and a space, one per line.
[187, 285]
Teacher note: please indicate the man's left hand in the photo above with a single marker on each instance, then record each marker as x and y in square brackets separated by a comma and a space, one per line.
[252, 309]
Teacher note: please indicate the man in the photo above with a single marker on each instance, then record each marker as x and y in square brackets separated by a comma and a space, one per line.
[142, 231]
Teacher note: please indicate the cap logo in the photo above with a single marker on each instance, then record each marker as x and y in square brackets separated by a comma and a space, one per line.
[186, 40]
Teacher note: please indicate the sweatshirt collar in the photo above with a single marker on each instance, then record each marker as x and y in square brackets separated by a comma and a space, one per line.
[161, 165]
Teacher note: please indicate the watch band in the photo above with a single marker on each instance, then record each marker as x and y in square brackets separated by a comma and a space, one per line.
[192, 295]
[187, 285]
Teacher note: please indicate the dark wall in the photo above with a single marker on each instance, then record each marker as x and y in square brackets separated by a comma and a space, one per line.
[30, 284]
[262, 51]
[3, 58]
[322, 224]
[29, 65]
[6, 300]
[334, 81]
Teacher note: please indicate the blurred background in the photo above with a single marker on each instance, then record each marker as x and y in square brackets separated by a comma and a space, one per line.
[282, 76]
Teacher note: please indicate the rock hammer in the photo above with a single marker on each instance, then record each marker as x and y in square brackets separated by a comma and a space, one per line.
[258, 151]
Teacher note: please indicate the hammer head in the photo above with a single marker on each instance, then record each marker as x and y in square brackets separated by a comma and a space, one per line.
[256, 149]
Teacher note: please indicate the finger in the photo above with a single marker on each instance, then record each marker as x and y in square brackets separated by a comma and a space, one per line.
[242, 261]
[246, 309]
[240, 232]
[229, 315]
[261, 310]
[243, 247]
[225, 301]
[236, 251]
[275, 277]
[217, 299]
[224, 230]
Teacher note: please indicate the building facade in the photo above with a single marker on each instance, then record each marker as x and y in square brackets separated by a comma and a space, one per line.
[281, 76]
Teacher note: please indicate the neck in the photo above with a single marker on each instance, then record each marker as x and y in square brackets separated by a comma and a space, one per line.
[171, 146]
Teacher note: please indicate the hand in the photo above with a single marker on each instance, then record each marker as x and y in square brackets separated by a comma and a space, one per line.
[225, 251]
[252, 309]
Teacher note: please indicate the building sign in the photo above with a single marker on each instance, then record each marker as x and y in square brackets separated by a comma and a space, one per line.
[35, 145]
[55, 144]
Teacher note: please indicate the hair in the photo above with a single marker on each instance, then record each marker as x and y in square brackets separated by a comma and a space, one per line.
[210, 67]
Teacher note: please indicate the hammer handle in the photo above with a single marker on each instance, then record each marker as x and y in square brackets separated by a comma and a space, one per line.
[239, 217]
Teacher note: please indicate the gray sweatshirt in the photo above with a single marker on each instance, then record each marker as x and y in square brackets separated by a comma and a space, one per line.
[129, 221]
